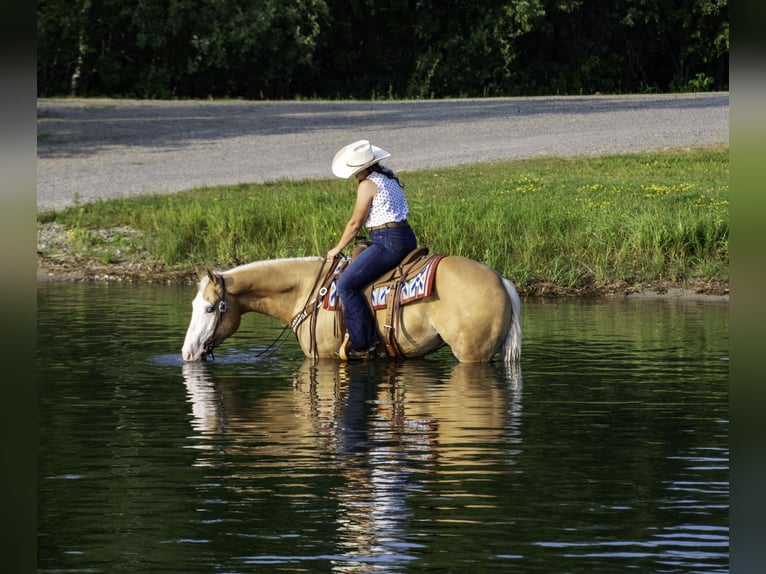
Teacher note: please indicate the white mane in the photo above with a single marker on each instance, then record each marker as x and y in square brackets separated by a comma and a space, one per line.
[204, 280]
[266, 262]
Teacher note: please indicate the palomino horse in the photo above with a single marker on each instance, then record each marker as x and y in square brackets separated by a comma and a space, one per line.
[472, 309]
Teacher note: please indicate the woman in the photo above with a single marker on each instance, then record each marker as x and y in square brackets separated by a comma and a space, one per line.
[382, 208]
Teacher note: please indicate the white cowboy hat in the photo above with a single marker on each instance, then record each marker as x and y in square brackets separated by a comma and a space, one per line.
[355, 157]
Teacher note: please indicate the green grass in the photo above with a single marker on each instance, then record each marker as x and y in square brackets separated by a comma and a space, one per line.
[568, 221]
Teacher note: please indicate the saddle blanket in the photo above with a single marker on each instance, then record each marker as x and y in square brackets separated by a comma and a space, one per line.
[412, 289]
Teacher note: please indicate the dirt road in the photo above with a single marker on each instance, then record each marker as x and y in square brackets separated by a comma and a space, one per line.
[90, 149]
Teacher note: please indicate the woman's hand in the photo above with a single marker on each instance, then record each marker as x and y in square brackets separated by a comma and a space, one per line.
[333, 253]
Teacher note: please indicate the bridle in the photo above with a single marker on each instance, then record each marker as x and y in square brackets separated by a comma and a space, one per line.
[220, 309]
[309, 310]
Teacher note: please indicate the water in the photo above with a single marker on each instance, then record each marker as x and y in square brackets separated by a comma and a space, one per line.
[607, 453]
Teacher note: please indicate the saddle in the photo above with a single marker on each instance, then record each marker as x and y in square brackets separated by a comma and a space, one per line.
[409, 281]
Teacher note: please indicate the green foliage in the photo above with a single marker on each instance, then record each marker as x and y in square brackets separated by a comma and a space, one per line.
[378, 48]
[572, 222]
[175, 48]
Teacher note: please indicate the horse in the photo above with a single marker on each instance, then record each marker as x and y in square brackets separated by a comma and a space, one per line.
[472, 309]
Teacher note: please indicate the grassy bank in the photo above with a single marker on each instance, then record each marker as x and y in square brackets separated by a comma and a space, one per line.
[570, 222]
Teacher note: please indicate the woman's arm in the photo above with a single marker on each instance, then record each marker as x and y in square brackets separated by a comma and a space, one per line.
[365, 193]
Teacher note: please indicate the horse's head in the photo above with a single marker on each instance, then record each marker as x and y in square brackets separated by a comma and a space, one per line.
[215, 316]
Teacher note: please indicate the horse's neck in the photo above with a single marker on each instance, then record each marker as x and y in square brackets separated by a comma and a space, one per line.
[277, 288]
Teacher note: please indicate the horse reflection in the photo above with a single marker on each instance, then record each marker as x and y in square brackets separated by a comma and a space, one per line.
[381, 425]
[403, 404]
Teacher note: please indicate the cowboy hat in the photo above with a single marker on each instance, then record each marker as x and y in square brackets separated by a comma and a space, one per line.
[355, 157]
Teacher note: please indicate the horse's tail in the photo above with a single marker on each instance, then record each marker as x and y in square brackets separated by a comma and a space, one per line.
[511, 349]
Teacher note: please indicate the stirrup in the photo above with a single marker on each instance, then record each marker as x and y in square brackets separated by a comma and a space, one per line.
[344, 346]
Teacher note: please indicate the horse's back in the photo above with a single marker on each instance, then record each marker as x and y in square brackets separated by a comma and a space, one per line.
[469, 280]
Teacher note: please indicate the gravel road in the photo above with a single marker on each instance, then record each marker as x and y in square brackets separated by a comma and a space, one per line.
[91, 149]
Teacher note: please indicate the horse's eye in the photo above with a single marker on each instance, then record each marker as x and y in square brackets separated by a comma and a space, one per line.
[209, 308]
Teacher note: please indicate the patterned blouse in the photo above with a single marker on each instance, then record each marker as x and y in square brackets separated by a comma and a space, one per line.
[389, 203]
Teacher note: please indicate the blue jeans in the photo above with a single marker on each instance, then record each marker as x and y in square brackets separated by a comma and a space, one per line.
[389, 246]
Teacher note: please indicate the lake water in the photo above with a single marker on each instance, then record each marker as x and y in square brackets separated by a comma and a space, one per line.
[608, 451]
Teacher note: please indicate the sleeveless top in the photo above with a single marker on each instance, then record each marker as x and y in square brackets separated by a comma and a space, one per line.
[389, 203]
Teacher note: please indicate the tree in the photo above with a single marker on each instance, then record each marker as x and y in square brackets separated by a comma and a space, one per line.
[469, 47]
[671, 44]
[176, 48]
[379, 48]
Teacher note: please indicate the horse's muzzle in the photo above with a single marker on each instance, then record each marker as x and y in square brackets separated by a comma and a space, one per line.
[193, 355]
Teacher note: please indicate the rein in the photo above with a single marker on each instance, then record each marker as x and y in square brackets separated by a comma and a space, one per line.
[311, 308]
[273, 345]
[220, 310]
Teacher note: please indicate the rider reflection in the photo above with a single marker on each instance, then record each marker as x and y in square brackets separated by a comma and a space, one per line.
[372, 511]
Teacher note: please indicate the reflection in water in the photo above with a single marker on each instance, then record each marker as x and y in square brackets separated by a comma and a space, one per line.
[616, 459]
[372, 423]
[207, 413]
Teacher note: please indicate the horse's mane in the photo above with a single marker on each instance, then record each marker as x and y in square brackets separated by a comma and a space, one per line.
[267, 262]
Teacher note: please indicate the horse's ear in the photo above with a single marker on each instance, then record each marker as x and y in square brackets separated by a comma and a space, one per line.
[211, 276]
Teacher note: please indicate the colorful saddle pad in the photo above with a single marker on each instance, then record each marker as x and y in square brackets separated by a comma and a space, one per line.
[412, 289]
